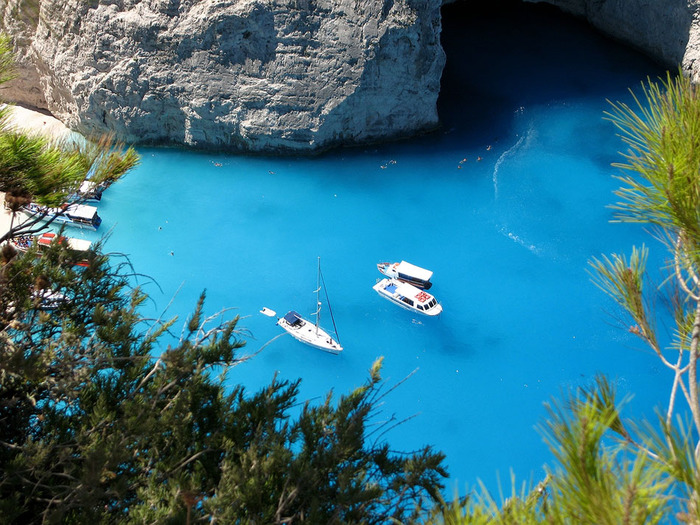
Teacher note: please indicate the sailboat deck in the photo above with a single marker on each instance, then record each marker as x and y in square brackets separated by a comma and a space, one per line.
[307, 332]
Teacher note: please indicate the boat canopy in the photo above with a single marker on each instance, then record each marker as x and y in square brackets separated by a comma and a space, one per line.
[411, 270]
[81, 211]
[407, 290]
[79, 245]
[87, 186]
[292, 317]
[91, 190]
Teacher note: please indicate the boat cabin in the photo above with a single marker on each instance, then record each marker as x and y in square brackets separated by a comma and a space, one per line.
[90, 190]
[407, 272]
[293, 319]
[78, 245]
[412, 297]
[82, 214]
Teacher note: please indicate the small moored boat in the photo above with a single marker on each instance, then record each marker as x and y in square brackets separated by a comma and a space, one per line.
[24, 242]
[78, 245]
[408, 273]
[308, 332]
[91, 191]
[78, 215]
[408, 296]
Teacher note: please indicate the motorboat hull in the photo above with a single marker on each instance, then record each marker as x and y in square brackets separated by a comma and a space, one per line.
[408, 297]
[88, 222]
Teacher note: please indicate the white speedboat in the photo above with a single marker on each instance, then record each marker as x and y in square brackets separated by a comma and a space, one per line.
[408, 273]
[78, 245]
[22, 243]
[90, 191]
[78, 215]
[408, 296]
[308, 332]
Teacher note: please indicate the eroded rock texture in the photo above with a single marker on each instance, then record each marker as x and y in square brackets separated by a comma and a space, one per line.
[270, 75]
[259, 75]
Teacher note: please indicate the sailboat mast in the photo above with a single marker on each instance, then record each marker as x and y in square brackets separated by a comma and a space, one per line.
[318, 289]
[328, 302]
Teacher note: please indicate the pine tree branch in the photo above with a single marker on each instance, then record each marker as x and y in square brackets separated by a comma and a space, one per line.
[692, 370]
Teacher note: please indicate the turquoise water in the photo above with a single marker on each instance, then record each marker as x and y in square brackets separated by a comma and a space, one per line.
[508, 238]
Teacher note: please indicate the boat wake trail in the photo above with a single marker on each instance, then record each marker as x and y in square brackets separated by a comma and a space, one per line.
[524, 139]
[519, 240]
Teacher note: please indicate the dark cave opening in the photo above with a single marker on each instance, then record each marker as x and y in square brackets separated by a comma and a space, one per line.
[508, 54]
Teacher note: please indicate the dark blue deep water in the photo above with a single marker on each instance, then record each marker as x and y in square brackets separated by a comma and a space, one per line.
[506, 203]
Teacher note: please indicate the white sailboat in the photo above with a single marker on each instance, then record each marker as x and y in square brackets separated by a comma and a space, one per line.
[308, 332]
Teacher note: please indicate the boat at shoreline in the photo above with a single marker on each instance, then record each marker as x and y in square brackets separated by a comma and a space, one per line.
[76, 215]
[408, 296]
[307, 332]
[24, 242]
[89, 191]
[78, 245]
[408, 273]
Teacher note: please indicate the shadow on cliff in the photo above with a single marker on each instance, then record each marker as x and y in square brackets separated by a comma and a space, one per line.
[503, 56]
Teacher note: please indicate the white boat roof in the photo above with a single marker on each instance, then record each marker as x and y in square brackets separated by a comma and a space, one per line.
[81, 245]
[407, 268]
[407, 290]
[87, 186]
[82, 211]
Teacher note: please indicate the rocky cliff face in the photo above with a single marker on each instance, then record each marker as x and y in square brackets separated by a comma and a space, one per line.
[258, 75]
[270, 75]
[667, 30]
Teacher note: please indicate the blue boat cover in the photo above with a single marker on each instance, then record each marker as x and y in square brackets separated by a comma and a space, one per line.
[292, 317]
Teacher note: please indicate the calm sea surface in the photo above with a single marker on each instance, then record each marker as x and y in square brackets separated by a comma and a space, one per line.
[506, 204]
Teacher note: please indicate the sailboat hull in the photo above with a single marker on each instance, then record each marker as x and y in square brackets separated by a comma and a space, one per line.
[307, 333]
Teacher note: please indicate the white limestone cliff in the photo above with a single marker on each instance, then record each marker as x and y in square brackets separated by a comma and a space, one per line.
[271, 75]
[258, 75]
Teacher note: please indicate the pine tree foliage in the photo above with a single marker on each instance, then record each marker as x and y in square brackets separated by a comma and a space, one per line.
[7, 63]
[94, 427]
